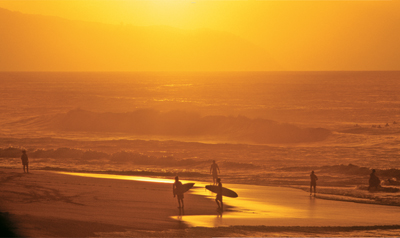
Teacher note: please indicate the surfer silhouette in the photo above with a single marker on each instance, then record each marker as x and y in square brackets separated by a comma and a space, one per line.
[218, 199]
[374, 181]
[177, 190]
[213, 169]
[313, 183]
[25, 162]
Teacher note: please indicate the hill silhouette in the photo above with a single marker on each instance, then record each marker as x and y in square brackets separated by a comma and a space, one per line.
[44, 43]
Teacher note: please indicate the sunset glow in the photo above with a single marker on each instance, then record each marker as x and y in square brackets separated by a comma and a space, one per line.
[199, 118]
[294, 35]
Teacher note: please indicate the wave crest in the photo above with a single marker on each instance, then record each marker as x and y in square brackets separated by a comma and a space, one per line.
[189, 125]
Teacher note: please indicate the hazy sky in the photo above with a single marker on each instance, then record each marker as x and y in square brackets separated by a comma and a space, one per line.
[300, 35]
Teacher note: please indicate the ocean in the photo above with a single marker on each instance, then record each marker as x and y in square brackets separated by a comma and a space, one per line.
[262, 128]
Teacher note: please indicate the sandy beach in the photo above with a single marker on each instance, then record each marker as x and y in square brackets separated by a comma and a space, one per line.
[53, 205]
[49, 204]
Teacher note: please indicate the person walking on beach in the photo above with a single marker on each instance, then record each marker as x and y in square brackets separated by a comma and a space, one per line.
[218, 199]
[313, 183]
[374, 181]
[213, 170]
[177, 190]
[25, 162]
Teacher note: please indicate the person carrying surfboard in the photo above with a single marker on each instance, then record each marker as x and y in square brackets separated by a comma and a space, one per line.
[218, 199]
[177, 190]
[213, 170]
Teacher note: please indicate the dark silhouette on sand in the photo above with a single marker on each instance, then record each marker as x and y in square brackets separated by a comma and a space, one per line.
[214, 172]
[25, 161]
[313, 183]
[6, 226]
[218, 199]
[374, 181]
[177, 190]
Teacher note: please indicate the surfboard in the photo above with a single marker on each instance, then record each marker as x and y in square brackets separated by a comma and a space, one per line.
[185, 187]
[225, 191]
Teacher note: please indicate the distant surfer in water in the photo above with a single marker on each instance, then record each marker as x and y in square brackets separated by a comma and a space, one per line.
[25, 162]
[177, 190]
[213, 169]
[374, 181]
[313, 183]
[218, 199]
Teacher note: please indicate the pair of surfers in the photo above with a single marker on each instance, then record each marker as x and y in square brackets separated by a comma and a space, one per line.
[178, 192]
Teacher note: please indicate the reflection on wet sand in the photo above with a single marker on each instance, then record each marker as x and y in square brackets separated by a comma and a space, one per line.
[122, 177]
[279, 206]
[276, 206]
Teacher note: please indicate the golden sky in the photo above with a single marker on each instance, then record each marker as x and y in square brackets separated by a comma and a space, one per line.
[299, 35]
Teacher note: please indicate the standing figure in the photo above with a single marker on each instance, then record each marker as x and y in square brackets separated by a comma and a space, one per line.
[177, 190]
[374, 181]
[313, 182]
[25, 161]
[218, 199]
[213, 170]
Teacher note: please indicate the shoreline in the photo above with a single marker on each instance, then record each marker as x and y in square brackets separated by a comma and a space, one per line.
[351, 193]
[46, 204]
[48, 200]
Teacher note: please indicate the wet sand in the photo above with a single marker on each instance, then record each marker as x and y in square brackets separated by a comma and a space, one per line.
[282, 206]
[49, 204]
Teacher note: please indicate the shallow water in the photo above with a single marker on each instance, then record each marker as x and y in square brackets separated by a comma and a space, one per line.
[276, 206]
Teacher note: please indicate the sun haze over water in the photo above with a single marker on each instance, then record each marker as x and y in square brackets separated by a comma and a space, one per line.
[172, 35]
[269, 89]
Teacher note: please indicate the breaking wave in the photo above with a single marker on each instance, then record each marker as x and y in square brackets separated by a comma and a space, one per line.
[120, 157]
[134, 158]
[149, 122]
